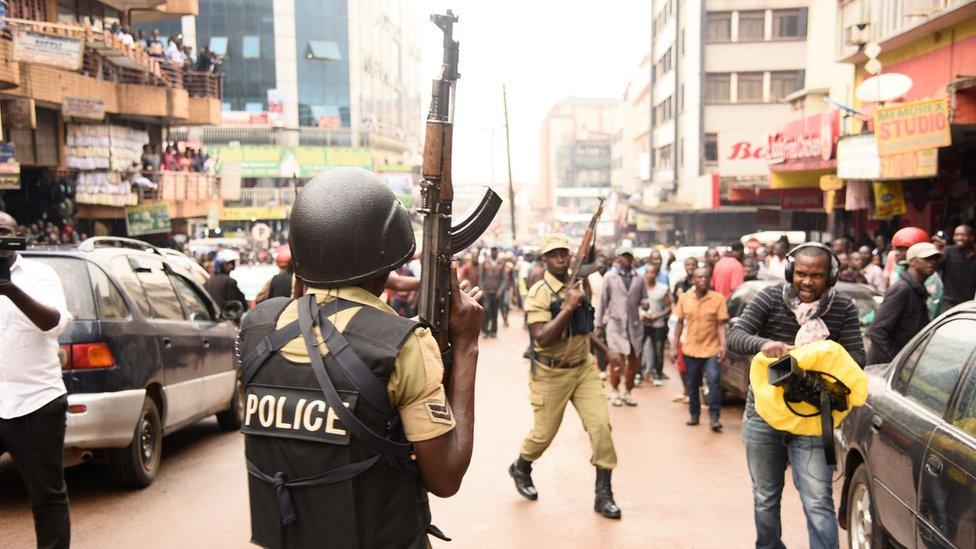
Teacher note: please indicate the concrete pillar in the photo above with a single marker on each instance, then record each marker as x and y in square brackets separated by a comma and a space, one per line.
[286, 59]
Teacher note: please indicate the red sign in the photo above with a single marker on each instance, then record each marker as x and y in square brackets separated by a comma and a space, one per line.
[805, 144]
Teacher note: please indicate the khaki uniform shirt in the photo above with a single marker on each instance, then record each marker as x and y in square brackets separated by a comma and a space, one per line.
[571, 349]
[702, 318]
[415, 388]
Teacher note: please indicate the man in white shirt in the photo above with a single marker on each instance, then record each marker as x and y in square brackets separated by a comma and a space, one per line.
[33, 400]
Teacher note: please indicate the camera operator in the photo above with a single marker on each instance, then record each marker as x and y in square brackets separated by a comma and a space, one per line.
[33, 403]
[803, 309]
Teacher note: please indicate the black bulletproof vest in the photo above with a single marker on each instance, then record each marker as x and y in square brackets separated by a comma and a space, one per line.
[294, 441]
[581, 321]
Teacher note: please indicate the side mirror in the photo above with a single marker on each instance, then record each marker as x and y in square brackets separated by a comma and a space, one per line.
[233, 311]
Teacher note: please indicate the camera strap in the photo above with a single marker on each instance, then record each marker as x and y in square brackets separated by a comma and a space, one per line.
[827, 428]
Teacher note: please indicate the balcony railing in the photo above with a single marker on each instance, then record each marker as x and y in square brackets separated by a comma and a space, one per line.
[108, 57]
[179, 186]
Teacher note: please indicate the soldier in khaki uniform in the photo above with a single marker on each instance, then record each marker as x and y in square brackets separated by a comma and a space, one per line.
[564, 371]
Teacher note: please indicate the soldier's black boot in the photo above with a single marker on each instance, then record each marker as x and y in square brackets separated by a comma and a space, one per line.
[604, 495]
[521, 471]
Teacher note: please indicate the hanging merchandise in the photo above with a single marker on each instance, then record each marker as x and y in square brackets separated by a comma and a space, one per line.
[889, 199]
[103, 147]
[105, 189]
[858, 196]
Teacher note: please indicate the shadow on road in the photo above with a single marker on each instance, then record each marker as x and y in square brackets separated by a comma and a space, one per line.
[90, 482]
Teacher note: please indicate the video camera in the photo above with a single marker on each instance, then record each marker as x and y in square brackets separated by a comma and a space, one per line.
[818, 389]
[7, 244]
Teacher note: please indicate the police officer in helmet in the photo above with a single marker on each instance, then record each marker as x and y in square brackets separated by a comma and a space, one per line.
[347, 422]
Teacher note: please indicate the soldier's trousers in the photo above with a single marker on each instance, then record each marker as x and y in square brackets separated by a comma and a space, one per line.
[550, 389]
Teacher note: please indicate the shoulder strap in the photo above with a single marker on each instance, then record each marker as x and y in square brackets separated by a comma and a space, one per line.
[306, 319]
[274, 343]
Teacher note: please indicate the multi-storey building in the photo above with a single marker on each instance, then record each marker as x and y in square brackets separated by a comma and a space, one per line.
[575, 160]
[927, 173]
[79, 102]
[716, 81]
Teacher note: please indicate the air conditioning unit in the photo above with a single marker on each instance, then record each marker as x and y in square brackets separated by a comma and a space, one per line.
[857, 34]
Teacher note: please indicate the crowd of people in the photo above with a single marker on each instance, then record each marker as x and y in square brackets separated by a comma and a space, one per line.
[174, 160]
[170, 49]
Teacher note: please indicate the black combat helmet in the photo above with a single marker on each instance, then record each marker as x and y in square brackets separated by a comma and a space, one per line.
[347, 227]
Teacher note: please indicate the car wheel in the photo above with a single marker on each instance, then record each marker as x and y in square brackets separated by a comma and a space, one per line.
[232, 418]
[136, 465]
[864, 530]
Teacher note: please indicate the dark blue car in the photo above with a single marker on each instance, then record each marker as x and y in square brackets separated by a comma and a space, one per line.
[909, 456]
[147, 353]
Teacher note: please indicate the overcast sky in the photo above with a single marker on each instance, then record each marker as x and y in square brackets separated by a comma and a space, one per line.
[543, 51]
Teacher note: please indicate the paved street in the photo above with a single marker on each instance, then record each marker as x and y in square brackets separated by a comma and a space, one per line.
[678, 486]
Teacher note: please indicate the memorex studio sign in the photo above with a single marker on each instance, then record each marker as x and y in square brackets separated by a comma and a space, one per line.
[858, 158]
[742, 153]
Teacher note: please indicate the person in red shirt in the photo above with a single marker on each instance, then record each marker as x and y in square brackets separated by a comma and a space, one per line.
[729, 272]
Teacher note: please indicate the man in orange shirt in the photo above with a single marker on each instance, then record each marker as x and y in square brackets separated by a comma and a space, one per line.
[701, 318]
[729, 272]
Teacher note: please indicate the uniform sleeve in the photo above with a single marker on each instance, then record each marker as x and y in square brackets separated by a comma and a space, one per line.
[416, 389]
[537, 305]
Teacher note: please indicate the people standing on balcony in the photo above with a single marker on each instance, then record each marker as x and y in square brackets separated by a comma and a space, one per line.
[150, 158]
[186, 160]
[170, 161]
[142, 40]
[174, 52]
[204, 60]
[155, 45]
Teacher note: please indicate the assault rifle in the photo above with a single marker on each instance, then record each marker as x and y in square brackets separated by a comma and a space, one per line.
[441, 241]
[579, 269]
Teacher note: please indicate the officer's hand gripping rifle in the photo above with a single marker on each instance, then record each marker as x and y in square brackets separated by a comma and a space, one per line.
[579, 271]
[441, 241]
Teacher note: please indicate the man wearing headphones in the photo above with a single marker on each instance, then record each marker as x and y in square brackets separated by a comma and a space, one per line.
[781, 317]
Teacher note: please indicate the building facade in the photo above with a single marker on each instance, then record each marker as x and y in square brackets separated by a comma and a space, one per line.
[575, 160]
[719, 77]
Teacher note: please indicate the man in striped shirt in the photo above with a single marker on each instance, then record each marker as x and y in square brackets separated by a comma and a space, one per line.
[803, 309]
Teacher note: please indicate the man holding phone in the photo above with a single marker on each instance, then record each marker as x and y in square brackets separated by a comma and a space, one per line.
[33, 401]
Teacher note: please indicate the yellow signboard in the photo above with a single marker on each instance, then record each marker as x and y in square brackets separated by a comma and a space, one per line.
[254, 214]
[889, 199]
[913, 126]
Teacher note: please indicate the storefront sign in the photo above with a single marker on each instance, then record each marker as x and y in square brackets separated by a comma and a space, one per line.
[140, 220]
[889, 199]
[805, 144]
[304, 161]
[9, 167]
[254, 214]
[19, 114]
[742, 154]
[48, 49]
[83, 107]
[857, 158]
[801, 199]
[914, 126]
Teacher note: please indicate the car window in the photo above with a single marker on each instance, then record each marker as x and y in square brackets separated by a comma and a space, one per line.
[73, 273]
[964, 416]
[162, 296]
[196, 307]
[931, 378]
[123, 273]
[108, 301]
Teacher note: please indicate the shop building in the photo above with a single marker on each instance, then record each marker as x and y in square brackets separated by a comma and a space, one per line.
[908, 163]
[78, 104]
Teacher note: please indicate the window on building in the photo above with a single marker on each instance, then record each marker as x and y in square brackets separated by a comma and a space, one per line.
[752, 25]
[251, 47]
[711, 148]
[681, 99]
[218, 45]
[324, 50]
[663, 159]
[783, 83]
[254, 106]
[664, 64]
[717, 88]
[788, 24]
[664, 111]
[718, 27]
[749, 88]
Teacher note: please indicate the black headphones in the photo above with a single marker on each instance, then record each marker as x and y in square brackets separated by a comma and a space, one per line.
[834, 261]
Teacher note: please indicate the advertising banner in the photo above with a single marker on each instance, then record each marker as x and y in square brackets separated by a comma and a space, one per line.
[742, 154]
[19, 114]
[857, 158]
[254, 213]
[805, 144]
[140, 220]
[83, 107]
[914, 126]
[889, 199]
[268, 160]
[48, 49]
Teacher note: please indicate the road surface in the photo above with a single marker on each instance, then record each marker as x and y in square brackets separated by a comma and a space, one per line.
[678, 486]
